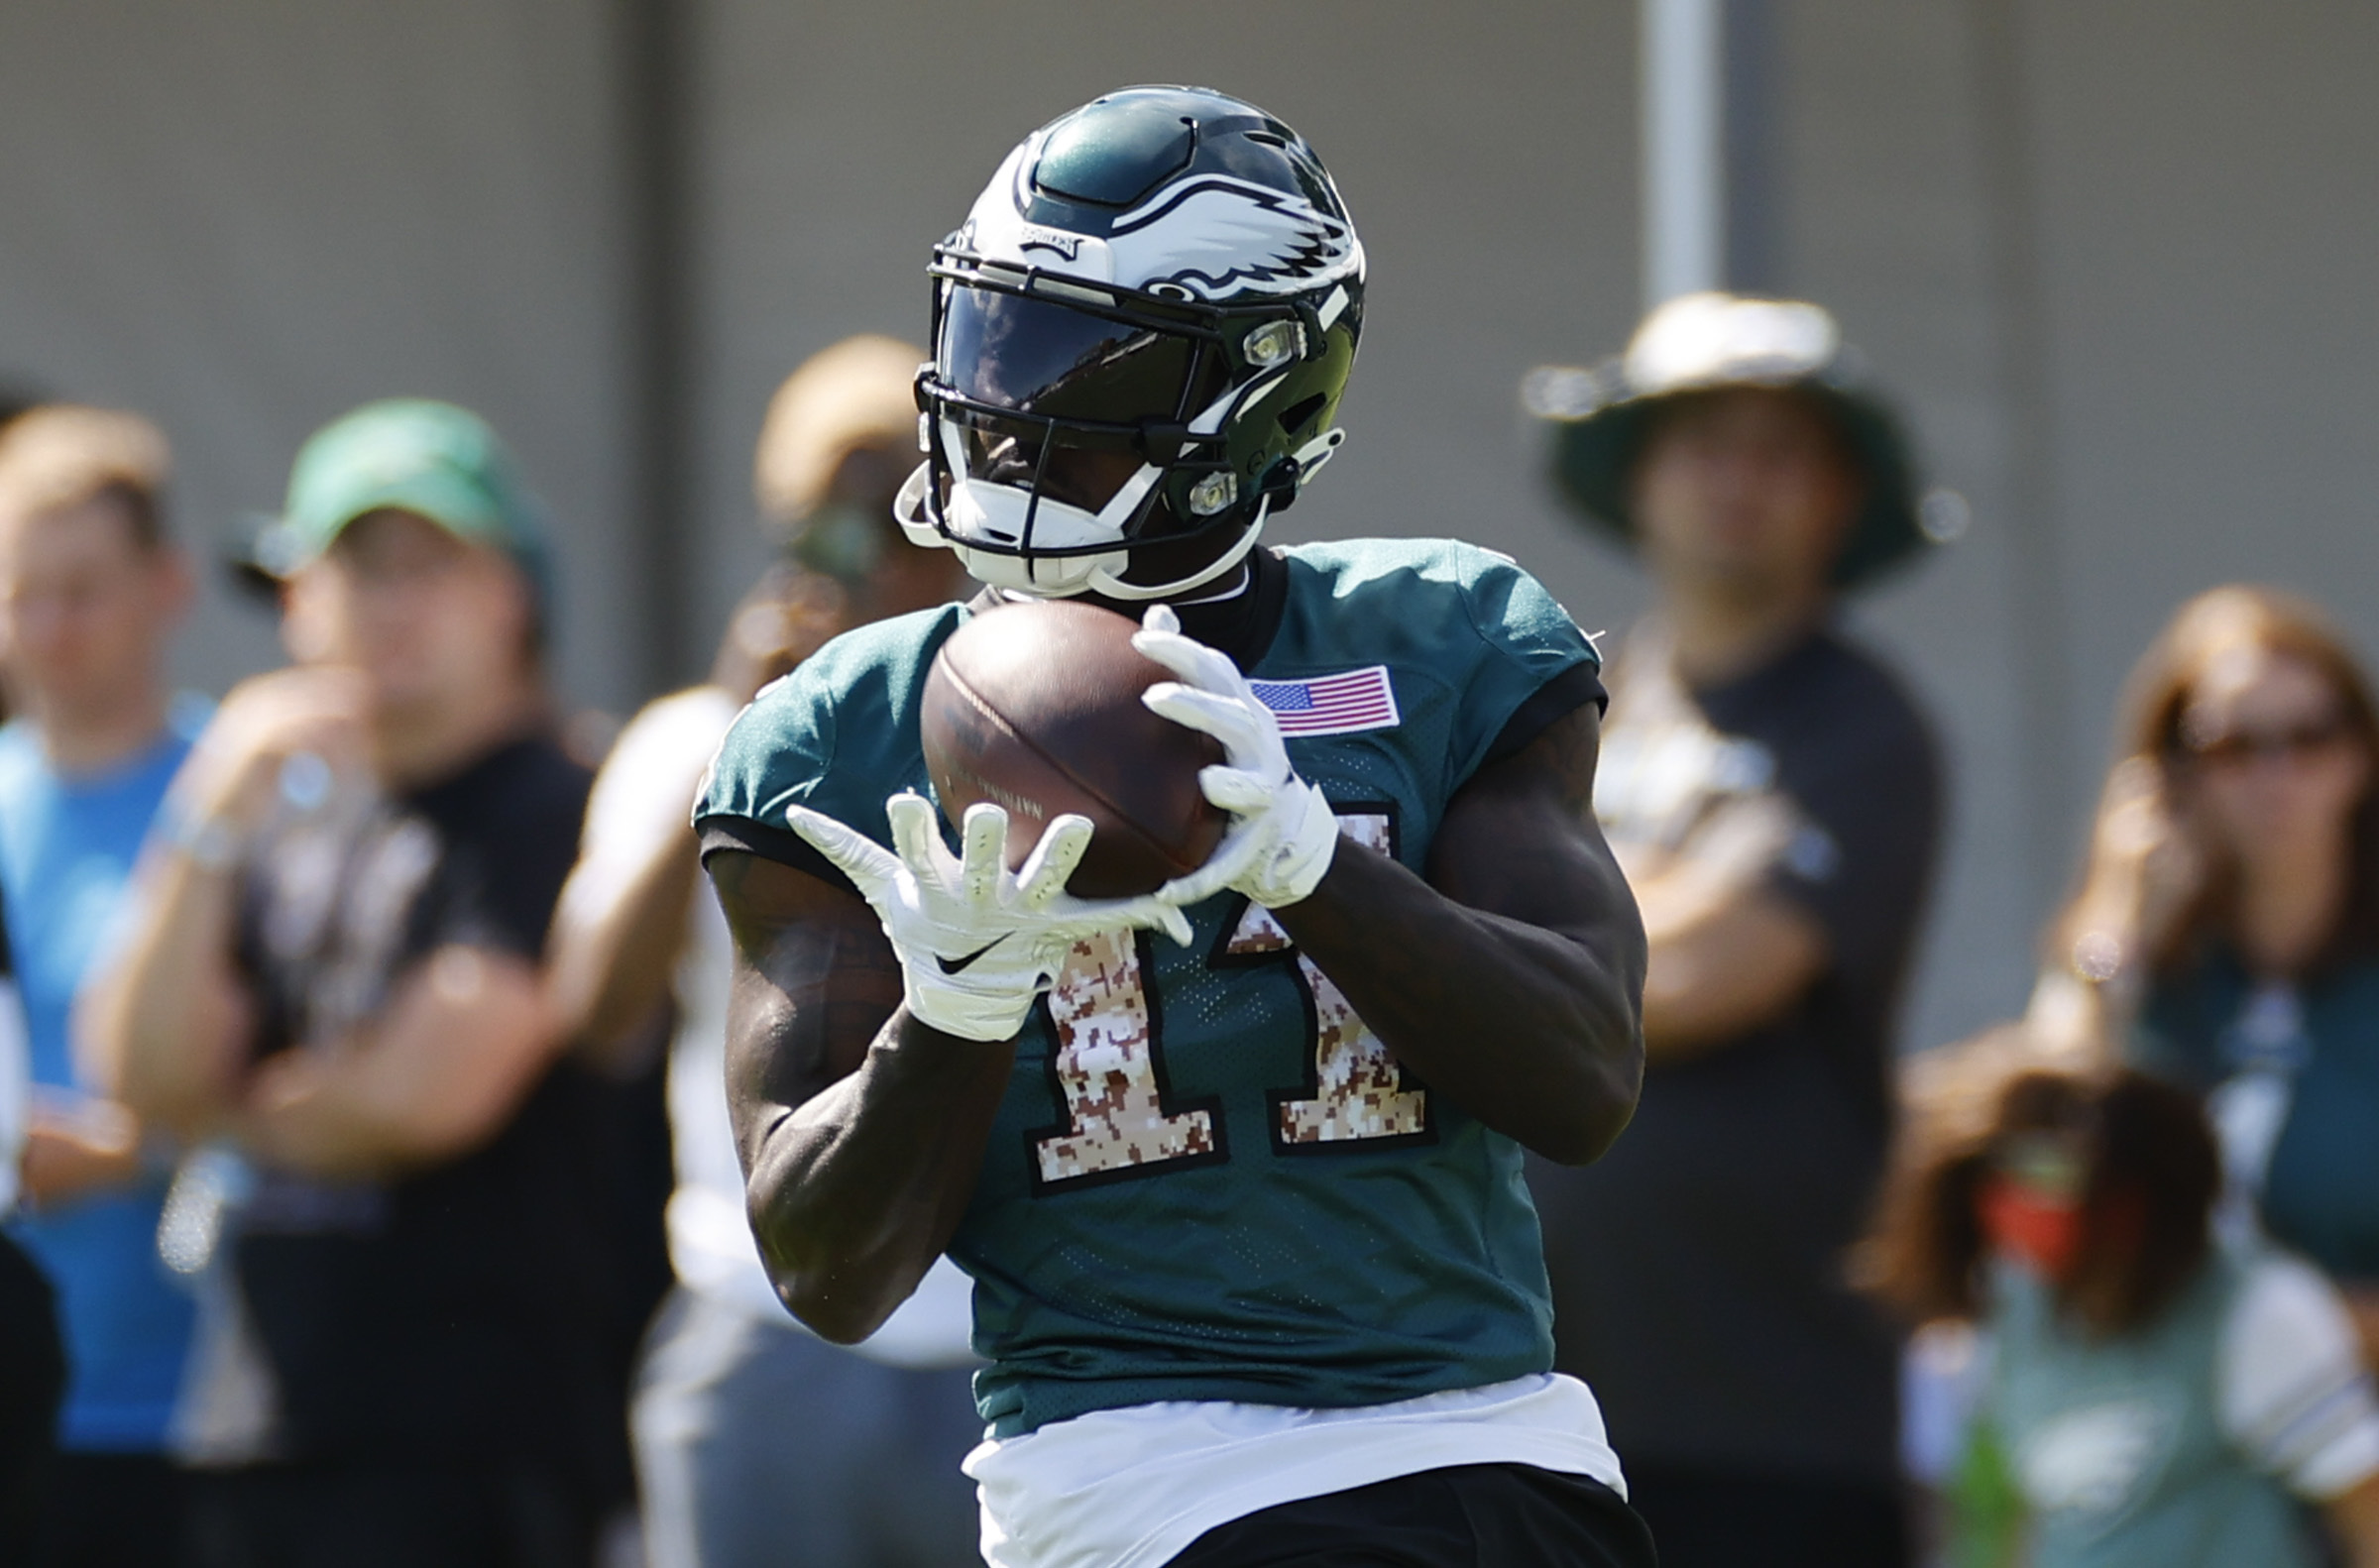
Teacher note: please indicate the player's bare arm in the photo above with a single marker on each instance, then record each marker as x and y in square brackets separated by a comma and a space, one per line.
[860, 1128]
[1512, 979]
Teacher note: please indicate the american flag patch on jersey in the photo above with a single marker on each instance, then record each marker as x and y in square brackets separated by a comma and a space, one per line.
[1331, 705]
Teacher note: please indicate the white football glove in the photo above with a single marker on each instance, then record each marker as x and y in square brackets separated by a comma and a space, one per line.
[1286, 832]
[976, 941]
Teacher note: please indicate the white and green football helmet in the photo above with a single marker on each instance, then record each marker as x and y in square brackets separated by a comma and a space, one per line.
[1141, 334]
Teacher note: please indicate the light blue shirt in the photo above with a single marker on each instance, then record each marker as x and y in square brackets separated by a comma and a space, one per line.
[67, 843]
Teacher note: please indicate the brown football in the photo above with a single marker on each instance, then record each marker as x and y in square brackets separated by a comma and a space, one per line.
[1036, 706]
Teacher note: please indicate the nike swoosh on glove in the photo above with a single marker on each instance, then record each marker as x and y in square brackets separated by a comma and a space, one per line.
[1285, 831]
[976, 941]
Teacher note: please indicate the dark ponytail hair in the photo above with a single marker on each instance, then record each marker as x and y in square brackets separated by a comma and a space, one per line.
[2147, 1204]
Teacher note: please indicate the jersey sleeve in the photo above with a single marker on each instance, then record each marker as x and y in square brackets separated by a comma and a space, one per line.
[839, 736]
[775, 754]
[2289, 1384]
[779, 752]
[1537, 666]
[653, 757]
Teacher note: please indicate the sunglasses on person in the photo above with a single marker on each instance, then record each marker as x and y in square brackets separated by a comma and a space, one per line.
[2285, 742]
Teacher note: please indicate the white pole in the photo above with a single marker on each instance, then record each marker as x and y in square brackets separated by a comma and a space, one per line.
[1684, 147]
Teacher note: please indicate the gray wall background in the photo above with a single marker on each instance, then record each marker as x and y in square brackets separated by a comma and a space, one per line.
[248, 216]
[2114, 257]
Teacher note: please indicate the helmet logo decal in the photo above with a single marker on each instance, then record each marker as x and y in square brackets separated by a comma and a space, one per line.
[1214, 237]
[1032, 237]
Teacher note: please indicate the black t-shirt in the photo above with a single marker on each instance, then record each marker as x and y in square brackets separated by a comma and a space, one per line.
[1699, 1268]
[458, 1314]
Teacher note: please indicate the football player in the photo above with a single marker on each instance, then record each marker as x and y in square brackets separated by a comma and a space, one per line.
[1235, 1167]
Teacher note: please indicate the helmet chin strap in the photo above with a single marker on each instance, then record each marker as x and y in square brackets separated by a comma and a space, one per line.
[1111, 586]
[1055, 575]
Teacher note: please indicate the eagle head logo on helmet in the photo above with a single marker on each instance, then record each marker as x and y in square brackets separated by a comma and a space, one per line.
[1141, 334]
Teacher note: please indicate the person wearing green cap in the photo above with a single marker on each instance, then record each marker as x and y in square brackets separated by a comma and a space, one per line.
[332, 986]
[1774, 795]
[431, 460]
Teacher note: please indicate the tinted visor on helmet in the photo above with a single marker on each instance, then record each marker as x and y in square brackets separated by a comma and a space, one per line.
[1039, 356]
[1087, 389]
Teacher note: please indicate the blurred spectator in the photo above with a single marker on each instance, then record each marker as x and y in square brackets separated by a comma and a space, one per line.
[2227, 932]
[90, 592]
[2144, 1397]
[1773, 796]
[756, 1442]
[16, 1085]
[334, 970]
[33, 1366]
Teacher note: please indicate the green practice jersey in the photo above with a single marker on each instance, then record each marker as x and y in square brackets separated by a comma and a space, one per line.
[1208, 1180]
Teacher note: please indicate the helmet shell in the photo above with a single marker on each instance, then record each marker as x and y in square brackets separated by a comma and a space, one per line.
[1182, 213]
[1178, 192]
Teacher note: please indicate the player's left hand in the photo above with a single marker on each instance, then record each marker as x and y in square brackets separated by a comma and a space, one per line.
[1281, 845]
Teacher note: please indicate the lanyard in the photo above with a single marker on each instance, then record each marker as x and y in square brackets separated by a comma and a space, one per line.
[2266, 1046]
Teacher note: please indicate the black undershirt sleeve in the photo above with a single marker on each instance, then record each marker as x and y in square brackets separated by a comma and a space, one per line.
[1565, 693]
[780, 844]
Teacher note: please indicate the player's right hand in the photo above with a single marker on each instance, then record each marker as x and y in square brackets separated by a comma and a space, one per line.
[977, 942]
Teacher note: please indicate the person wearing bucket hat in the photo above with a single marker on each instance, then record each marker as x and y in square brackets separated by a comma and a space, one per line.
[751, 1431]
[1709, 342]
[1774, 795]
[330, 981]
